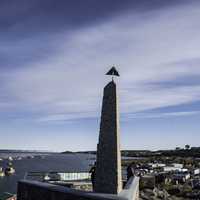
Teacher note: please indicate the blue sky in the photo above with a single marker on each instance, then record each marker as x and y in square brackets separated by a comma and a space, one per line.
[53, 57]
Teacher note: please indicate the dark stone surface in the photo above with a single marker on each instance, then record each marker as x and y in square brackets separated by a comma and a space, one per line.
[34, 190]
[108, 170]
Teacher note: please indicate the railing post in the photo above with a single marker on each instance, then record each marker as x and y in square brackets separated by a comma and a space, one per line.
[131, 190]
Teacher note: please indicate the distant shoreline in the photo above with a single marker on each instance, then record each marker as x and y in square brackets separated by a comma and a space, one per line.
[24, 151]
[191, 152]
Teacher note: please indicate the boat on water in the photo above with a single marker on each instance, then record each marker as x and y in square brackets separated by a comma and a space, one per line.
[40, 156]
[30, 157]
[10, 158]
[1, 172]
[19, 158]
[54, 176]
[9, 170]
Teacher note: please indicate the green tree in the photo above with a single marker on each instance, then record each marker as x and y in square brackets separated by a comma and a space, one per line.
[187, 146]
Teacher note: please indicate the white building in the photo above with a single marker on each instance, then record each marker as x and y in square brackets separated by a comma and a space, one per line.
[156, 165]
[177, 165]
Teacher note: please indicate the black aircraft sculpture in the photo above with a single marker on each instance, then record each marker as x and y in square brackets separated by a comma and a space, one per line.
[112, 72]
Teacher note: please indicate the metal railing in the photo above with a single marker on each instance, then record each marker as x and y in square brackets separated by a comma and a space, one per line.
[39, 190]
[131, 190]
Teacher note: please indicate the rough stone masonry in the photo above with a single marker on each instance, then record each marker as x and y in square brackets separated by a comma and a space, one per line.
[108, 169]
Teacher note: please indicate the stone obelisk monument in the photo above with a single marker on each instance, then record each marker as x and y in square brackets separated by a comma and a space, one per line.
[108, 167]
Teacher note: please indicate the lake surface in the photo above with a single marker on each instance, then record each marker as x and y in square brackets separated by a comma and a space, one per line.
[50, 162]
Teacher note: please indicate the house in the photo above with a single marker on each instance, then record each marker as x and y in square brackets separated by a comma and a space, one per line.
[157, 165]
[196, 171]
[174, 168]
[171, 169]
[178, 165]
[180, 177]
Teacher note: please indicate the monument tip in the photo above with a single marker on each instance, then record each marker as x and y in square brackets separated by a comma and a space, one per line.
[113, 72]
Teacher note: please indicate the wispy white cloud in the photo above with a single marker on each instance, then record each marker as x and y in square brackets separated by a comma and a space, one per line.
[145, 98]
[149, 47]
[161, 115]
[66, 117]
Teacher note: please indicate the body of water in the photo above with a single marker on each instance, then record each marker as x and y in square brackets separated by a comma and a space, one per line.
[46, 163]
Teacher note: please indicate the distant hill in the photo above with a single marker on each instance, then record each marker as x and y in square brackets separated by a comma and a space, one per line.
[193, 152]
[87, 152]
[67, 152]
